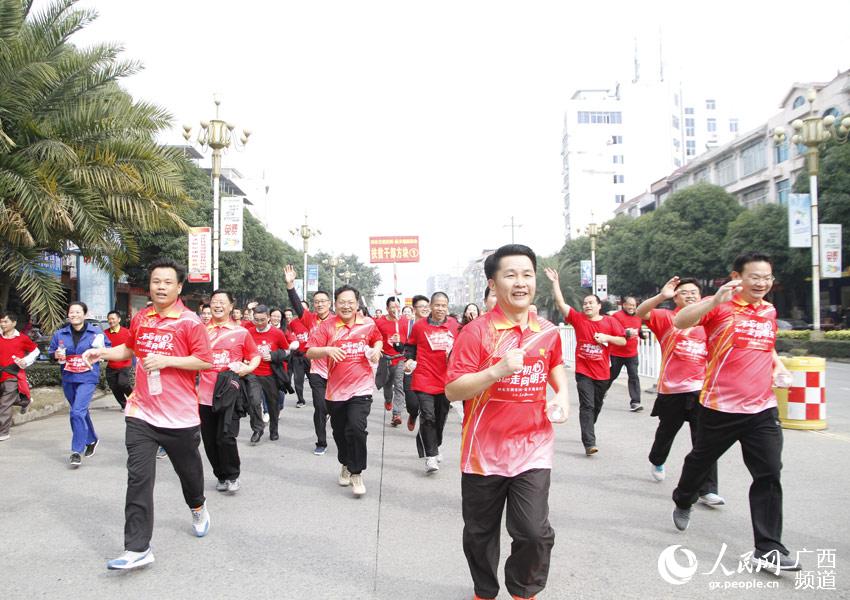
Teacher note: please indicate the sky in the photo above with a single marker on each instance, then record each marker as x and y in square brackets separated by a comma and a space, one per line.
[441, 119]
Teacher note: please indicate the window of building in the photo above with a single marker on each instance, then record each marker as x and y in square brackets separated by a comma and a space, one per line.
[676, 143]
[726, 171]
[675, 99]
[690, 148]
[833, 112]
[690, 126]
[689, 111]
[754, 197]
[619, 178]
[619, 198]
[798, 102]
[600, 117]
[675, 122]
[701, 175]
[618, 159]
[783, 188]
[801, 149]
[690, 132]
[733, 125]
[753, 159]
[710, 104]
[616, 139]
[711, 125]
[677, 162]
[780, 152]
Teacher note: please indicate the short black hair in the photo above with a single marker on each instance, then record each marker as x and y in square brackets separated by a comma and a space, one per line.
[392, 299]
[81, 305]
[205, 305]
[261, 309]
[419, 298]
[114, 312]
[487, 292]
[436, 294]
[164, 262]
[627, 297]
[226, 293]
[346, 288]
[286, 310]
[691, 280]
[598, 299]
[742, 260]
[508, 250]
[8, 314]
[317, 292]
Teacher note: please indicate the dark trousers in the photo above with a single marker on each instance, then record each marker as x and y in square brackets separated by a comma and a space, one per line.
[631, 364]
[411, 400]
[300, 367]
[348, 424]
[9, 396]
[433, 411]
[220, 445]
[268, 383]
[119, 384]
[591, 394]
[142, 441]
[527, 498]
[761, 446]
[256, 397]
[673, 410]
[318, 387]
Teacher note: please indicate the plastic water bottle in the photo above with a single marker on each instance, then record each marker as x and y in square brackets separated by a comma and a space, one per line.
[556, 414]
[61, 349]
[154, 383]
[783, 379]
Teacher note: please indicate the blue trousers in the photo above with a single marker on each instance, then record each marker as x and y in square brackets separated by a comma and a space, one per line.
[82, 429]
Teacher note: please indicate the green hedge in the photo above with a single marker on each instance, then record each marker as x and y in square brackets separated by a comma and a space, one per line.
[46, 374]
[824, 348]
[838, 334]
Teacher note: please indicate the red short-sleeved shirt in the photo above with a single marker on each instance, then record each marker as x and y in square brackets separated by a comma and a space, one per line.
[353, 376]
[229, 343]
[179, 333]
[592, 358]
[116, 339]
[630, 350]
[433, 344]
[301, 333]
[267, 342]
[389, 328]
[311, 322]
[683, 353]
[18, 345]
[505, 428]
[739, 373]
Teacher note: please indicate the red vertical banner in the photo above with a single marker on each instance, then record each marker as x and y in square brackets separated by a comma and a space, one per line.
[394, 249]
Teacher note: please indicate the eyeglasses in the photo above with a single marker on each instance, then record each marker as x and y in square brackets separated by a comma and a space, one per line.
[757, 279]
[346, 302]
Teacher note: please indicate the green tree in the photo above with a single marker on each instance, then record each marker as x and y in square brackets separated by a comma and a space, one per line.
[78, 158]
[364, 277]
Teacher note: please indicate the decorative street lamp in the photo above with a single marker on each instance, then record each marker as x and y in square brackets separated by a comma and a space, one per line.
[333, 262]
[812, 131]
[347, 275]
[593, 230]
[306, 232]
[216, 134]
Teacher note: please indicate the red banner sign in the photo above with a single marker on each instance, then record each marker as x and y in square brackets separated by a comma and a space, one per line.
[390, 249]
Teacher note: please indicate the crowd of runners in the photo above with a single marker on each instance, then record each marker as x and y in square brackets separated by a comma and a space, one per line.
[183, 378]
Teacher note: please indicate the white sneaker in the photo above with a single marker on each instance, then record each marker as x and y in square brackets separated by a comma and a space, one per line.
[357, 486]
[201, 520]
[265, 417]
[344, 477]
[233, 486]
[712, 499]
[440, 457]
[431, 464]
[131, 560]
[5, 437]
[657, 471]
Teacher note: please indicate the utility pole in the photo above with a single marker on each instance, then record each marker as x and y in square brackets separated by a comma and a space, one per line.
[514, 226]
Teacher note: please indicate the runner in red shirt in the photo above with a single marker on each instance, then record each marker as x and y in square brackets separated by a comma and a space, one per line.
[683, 354]
[233, 350]
[500, 366]
[118, 371]
[17, 352]
[171, 345]
[299, 365]
[738, 404]
[393, 328]
[351, 344]
[318, 375]
[627, 356]
[594, 333]
[273, 346]
[427, 351]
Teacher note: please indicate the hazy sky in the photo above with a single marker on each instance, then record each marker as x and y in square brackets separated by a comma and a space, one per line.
[438, 119]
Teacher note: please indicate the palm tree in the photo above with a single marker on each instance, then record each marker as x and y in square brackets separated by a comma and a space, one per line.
[78, 158]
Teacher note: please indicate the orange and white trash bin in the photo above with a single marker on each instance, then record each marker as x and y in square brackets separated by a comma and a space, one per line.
[803, 405]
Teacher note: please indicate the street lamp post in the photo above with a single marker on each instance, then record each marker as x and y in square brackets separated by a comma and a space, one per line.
[216, 134]
[306, 232]
[812, 131]
[592, 231]
[334, 262]
[347, 275]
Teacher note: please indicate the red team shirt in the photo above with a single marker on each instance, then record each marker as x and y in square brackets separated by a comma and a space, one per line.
[229, 343]
[179, 333]
[592, 358]
[18, 345]
[630, 350]
[433, 344]
[505, 428]
[267, 342]
[311, 323]
[683, 354]
[388, 329]
[116, 339]
[739, 374]
[354, 375]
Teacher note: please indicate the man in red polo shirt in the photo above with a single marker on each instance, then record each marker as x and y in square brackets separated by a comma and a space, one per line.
[17, 352]
[393, 328]
[171, 345]
[298, 362]
[427, 352]
[594, 334]
[351, 344]
[627, 356]
[268, 340]
[500, 365]
[118, 371]
[738, 404]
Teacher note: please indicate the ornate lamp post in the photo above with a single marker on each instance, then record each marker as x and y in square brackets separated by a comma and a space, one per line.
[811, 131]
[334, 262]
[593, 230]
[216, 134]
[347, 275]
[306, 232]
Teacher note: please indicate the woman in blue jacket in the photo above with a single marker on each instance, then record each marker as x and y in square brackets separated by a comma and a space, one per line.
[79, 378]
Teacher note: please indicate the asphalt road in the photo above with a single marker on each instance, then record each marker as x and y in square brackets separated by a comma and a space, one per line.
[292, 532]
